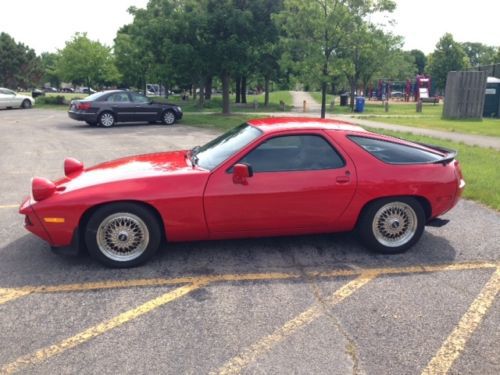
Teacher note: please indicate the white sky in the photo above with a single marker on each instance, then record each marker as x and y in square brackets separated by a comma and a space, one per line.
[46, 25]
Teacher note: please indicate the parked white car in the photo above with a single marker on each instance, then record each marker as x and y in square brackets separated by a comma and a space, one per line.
[11, 99]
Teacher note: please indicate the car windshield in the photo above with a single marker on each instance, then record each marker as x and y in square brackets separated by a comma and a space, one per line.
[216, 151]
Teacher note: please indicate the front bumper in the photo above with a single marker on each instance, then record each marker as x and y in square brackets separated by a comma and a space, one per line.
[74, 248]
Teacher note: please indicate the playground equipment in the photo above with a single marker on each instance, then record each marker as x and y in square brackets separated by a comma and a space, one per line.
[418, 89]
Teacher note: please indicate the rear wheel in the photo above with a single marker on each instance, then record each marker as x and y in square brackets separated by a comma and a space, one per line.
[106, 119]
[168, 118]
[26, 104]
[122, 235]
[392, 225]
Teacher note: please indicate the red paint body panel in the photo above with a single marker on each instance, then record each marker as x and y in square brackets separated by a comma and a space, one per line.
[197, 204]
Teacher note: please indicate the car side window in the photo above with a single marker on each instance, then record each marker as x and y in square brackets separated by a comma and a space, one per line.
[138, 98]
[120, 97]
[294, 153]
[395, 153]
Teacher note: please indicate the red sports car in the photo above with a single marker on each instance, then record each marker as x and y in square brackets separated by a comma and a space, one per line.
[267, 177]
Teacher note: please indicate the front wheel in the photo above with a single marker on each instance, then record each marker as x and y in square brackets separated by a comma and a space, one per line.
[168, 118]
[26, 104]
[122, 235]
[392, 225]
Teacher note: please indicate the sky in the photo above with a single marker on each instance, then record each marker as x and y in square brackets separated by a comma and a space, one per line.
[45, 25]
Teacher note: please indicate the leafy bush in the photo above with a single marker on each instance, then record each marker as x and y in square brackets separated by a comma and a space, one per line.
[55, 100]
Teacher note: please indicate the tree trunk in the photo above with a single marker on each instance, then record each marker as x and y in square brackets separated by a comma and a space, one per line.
[353, 89]
[244, 89]
[323, 98]
[208, 88]
[193, 89]
[266, 90]
[238, 90]
[201, 100]
[226, 105]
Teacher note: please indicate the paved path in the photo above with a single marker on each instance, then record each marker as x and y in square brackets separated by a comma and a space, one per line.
[469, 139]
[298, 102]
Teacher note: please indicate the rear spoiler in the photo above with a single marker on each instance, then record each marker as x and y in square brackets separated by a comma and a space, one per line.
[450, 154]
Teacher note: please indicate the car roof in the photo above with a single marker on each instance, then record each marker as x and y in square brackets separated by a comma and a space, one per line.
[272, 124]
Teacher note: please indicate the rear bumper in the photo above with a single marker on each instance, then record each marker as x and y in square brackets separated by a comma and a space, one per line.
[83, 116]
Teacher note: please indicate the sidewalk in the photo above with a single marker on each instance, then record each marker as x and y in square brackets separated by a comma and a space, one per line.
[468, 139]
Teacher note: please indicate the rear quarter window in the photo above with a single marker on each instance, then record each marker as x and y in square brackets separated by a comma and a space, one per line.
[395, 153]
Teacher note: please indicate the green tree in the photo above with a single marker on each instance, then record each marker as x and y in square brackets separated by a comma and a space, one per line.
[479, 54]
[368, 51]
[420, 60]
[50, 74]
[132, 62]
[448, 56]
[315, 31]
[84, 61]
[19, 64]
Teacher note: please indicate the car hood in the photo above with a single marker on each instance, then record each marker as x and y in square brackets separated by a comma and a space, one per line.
[129, 168]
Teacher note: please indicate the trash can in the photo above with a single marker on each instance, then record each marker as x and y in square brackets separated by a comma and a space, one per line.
[344, 99]
[360, 104]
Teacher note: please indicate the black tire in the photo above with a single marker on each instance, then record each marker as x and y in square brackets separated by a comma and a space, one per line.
[106, 119]
[122, 235]
[168, 117]
[391, 225]
[26, 104]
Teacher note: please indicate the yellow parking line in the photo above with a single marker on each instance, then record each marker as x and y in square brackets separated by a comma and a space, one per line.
[113, 284]
[9, 206]
[7, 295]
[99, 329]
[455, 343]
[238, 363]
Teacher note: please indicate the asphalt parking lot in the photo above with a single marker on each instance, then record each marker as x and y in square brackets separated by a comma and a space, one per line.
[296, 305]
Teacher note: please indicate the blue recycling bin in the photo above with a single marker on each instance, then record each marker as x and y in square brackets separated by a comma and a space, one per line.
[360, 104]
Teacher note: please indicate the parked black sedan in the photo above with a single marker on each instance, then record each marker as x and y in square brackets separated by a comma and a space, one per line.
[106, 108]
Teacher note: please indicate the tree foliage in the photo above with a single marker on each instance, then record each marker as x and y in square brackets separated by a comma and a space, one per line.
[19, 65]
[420, 60]
[448, 56]
[479, 54]
[315, 32]
[84, 61]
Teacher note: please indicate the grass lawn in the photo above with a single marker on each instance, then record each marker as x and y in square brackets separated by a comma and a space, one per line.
[215, 120]
[479, 167]
[377, 108]
[215, 104]
[190, 105]
[487, 126]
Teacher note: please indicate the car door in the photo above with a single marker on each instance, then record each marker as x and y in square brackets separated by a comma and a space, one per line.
[144, 110]
[299, 181]
[120, 104]
[3, 99]
[7, 98]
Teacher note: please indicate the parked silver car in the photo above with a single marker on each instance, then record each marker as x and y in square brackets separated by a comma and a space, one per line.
[11, 99]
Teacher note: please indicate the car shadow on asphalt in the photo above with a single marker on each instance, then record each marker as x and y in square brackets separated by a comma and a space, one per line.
[29, 260]
[119, 127]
